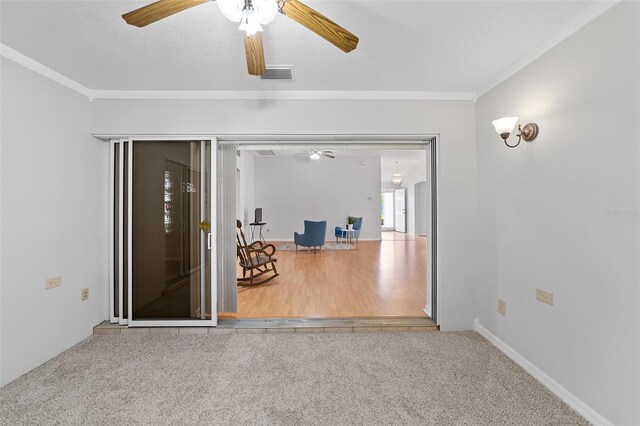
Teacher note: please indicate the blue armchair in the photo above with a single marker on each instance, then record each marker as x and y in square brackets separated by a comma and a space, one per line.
[357, 226]
[314, 235]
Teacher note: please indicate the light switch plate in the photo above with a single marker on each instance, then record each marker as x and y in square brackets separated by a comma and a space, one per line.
[502, 307]
[544, 296]
[52, 282]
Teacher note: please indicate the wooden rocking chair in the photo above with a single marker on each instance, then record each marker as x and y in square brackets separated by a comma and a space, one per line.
[256, 259]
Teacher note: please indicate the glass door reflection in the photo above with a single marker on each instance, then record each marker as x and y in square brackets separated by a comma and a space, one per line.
[171, 208]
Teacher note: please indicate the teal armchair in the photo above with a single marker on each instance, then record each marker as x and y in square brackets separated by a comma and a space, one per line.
[314, 235]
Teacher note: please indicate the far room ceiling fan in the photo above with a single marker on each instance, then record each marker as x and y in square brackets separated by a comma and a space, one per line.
[315, 154]
[252, 14]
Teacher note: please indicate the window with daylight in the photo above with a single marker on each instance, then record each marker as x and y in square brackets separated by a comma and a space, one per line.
[168, 202]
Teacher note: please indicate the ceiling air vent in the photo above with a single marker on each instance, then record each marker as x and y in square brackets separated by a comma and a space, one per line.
[265, 152]
[278, 73]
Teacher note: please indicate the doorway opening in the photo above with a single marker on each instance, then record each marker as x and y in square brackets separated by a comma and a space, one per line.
[387, 208]
[400, 223]
[323, 211]
[203, 182]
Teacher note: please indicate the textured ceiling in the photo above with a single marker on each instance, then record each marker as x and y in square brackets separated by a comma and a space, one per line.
[404, 45]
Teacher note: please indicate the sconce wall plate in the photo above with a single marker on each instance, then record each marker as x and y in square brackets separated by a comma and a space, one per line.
[529, 131]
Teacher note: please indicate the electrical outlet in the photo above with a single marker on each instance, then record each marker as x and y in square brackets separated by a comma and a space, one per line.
[52, 282]
[502, 307]
[544, 296]
[85, 294]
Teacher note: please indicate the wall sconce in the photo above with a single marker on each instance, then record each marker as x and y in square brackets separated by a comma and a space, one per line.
[505, 125]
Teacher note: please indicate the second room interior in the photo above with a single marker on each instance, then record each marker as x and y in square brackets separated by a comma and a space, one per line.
[331, 233]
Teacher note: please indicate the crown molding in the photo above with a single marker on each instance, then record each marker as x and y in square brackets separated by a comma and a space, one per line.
[43, 70]
[525, 60]
[283, 95]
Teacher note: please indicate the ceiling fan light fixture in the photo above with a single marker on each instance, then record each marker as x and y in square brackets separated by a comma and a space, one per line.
[314, 155]
[251, 14]
[250, 22]
[231, 9]
[267, 10]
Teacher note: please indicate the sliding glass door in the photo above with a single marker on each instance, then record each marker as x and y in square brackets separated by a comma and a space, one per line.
[165, 237]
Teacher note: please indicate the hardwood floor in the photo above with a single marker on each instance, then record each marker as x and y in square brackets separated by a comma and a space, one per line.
[379, 278]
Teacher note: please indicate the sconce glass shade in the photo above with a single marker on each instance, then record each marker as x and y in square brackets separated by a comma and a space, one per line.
[505, 125]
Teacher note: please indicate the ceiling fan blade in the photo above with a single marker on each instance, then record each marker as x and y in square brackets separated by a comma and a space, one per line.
[255, 54]
[328, 155]
[156, 11]
[319, 24]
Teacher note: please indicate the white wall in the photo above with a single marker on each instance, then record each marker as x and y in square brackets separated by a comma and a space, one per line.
[453, 120]
[389, 185]
[544, 214]
[54, 220]
[292, 189]
[245, 163]
[421, 207]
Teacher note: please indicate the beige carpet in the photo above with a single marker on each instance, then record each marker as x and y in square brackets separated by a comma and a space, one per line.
[324, 379]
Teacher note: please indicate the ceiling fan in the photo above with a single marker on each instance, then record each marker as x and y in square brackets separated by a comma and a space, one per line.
[252, 14]
[316, 154]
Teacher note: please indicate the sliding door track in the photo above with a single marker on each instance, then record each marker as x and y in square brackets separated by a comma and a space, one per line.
[356, 324]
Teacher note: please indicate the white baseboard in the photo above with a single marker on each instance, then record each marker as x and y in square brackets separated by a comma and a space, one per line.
[560, 391]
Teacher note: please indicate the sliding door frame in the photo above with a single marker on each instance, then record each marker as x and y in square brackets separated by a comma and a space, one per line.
[206, 243]
[119, 216]
[113, 318]
[433, 308]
